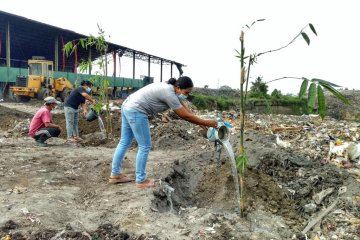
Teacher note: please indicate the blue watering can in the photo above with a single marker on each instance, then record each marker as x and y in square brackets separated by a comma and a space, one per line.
[221, 133]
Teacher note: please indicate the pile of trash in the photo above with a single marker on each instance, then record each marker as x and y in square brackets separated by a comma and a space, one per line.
[329, 140]
[317, 168]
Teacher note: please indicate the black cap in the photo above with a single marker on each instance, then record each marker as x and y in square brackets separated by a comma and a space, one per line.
[86, 82]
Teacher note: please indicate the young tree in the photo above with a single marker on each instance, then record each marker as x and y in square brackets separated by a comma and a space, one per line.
[100, 78]
[313, 87]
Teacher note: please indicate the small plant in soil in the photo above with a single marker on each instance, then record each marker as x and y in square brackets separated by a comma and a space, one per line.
[314, 88]
[100, 78]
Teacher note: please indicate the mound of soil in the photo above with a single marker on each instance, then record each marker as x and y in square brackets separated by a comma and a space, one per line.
[62, 191]
[10, 117]
[105, 231]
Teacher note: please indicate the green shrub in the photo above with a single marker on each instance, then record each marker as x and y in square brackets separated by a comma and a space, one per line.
[223, 103]
[276, 94]
[214, 102]
[199, 101]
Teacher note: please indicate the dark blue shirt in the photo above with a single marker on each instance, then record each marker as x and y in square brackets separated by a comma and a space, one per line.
[75, 98]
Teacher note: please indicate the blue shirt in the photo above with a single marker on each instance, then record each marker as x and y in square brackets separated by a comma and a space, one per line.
[75, 98]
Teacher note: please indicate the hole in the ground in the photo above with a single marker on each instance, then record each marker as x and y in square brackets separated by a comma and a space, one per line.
[205, 184]
[197, 183]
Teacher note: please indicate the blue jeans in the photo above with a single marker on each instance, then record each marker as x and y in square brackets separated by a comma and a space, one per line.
[72, 121]
[133, 124]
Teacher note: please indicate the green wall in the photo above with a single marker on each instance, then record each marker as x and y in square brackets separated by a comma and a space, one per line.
[9, 75]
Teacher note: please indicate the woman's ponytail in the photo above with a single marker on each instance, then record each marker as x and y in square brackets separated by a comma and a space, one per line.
[183, 82]
[172, 81]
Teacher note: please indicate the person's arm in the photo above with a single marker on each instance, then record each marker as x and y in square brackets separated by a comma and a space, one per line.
[47, 120]
[190, 117]
[52, 125]
[185, 105]
[87, 97]
[84, 109]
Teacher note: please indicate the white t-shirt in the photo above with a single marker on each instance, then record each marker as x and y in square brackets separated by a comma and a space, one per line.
[154, 98]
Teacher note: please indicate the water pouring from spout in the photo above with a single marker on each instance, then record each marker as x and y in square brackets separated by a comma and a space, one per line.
[168, 190]
[221, 135]
[93, 115]
[102, 127]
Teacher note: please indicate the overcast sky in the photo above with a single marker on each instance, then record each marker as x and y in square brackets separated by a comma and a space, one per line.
[203, 35]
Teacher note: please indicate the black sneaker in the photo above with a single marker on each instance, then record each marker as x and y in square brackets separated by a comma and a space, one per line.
[41, 144]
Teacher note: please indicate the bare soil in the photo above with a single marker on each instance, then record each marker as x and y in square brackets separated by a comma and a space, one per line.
[62, 191]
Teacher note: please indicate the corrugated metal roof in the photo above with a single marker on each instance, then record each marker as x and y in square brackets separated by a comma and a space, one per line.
[32, 38]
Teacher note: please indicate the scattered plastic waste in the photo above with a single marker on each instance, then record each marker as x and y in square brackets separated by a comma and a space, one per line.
[282, 143]
[353, 151]
[319, 197]
[310, 208]
[346, 150]
[112, 107]
[338, 148]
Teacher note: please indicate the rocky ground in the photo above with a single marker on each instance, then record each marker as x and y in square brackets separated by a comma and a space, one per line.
[294, 189]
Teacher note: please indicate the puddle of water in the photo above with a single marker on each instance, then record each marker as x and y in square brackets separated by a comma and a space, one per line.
[231, 154]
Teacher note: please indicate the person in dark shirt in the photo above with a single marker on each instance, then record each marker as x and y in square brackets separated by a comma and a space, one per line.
[77, 98]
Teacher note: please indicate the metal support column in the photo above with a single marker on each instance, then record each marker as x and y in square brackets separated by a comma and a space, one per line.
[8, 45]
[133, 64]
[171, 69]
[161, 69]
[56, 48]
[114, 61]
[149, 65]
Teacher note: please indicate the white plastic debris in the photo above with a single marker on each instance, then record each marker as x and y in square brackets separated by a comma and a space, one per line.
[353, 151]
[347, 150]
[321, 195]
[282, 143]
[337, 150]
[112, 107]
[310, 208]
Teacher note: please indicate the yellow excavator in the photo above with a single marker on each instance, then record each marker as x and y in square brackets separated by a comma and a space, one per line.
[40, 82]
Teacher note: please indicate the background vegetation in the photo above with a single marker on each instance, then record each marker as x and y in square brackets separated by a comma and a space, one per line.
[225, 98]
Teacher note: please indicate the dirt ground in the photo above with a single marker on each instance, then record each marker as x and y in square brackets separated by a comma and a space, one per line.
[61, 191]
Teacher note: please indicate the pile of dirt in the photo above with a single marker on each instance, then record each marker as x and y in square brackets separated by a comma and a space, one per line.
[9, 118]
[105, 231]
[61, 191]
[167, 130]
[339, 110]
